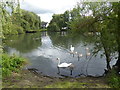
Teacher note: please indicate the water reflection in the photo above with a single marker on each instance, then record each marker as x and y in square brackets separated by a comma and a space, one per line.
[23, 43]
[46, 47]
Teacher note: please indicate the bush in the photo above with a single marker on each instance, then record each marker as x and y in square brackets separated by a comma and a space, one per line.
[11, 64]
[113, 79]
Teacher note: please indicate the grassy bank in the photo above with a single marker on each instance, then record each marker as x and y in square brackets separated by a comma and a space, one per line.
[42, 30]
[32, 80]
[77, 84]
[11, 64]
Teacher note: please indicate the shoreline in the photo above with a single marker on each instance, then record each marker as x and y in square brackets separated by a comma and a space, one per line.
[34, 70]
[28, 79]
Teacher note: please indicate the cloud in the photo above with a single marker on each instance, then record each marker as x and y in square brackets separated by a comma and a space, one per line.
[46, 17]
[46, 8]
[35, 9]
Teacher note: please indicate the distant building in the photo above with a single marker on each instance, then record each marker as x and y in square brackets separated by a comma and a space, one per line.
[43, 24]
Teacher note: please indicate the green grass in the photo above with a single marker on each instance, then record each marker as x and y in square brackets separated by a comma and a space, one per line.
[113, 79]
[42, 29]
[39, 30]
[67, 84]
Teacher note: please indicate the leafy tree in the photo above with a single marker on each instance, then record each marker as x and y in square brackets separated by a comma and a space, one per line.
[116, 12]
[61, 21]
[17, 20]
[30, 21]
[53, 27]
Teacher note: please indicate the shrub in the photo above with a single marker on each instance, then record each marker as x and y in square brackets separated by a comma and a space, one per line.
[11, 64]
[113, 79]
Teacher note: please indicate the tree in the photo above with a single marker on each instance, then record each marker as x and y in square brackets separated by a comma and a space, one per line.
[116, 10]
[101, 20]
[61, 21]
[17, 21]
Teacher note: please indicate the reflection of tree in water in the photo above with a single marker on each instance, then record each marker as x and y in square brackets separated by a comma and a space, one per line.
[24, 42]
[70, 39]
[59, 40]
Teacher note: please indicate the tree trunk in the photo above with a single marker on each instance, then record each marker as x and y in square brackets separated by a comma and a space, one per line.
[107, 58]
[107, 54]
[108, 62]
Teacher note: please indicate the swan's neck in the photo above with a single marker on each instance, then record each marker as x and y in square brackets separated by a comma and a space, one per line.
[59, 62]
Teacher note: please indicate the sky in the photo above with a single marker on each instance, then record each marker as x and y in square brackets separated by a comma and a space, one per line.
[46, 8]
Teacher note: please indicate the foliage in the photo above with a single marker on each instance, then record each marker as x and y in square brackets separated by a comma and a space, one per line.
[30, 20]
[11, 64]
[59, 22]
[17, 21]
[54, 27]
[113, 79]
[14, 29]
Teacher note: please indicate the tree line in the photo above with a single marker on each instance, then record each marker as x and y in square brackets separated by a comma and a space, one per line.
[15, 20]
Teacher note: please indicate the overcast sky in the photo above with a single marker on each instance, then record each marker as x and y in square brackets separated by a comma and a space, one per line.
[46, 8]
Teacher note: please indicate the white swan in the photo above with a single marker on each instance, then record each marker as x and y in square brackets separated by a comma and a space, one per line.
[71, 48]
[88, 54]
[63, 65]
[80, 55]
[87, 48]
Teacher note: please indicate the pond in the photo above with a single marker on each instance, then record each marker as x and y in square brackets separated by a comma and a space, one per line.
[43, 49]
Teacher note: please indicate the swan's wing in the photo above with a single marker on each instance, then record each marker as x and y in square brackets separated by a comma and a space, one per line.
[61, 65]
[64, 64]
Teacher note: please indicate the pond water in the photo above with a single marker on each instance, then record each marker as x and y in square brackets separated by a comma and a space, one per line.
[43, 48]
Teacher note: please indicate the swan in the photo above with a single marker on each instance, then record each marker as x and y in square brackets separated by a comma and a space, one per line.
[88, 54]
[87, 48]
[63, 65]
[79, 55]
[71, 48]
